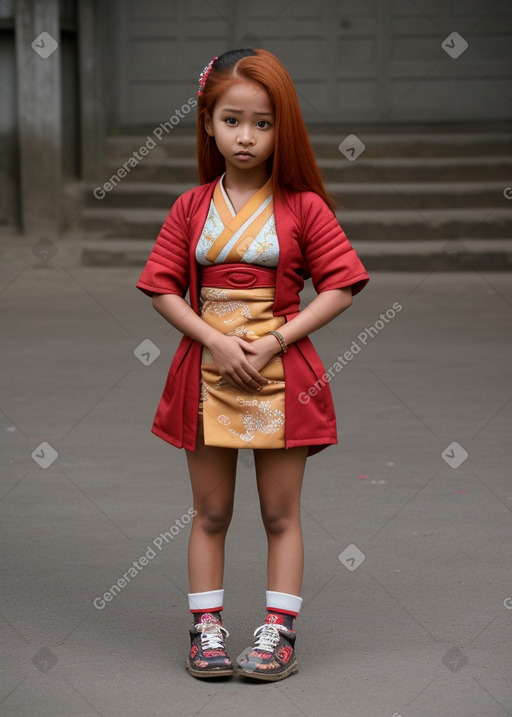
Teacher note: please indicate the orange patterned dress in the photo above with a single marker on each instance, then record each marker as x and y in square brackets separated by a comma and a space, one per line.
[232, 417]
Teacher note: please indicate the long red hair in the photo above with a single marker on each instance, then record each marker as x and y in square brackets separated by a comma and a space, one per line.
[293, 164]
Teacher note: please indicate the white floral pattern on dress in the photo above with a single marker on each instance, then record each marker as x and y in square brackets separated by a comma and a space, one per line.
[263, 250]
[264, 419]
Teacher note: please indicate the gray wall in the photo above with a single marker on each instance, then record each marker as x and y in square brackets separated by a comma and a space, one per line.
[124, 65]
[352, 60]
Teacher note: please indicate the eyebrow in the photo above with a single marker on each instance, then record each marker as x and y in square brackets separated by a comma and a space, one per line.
[239, 112]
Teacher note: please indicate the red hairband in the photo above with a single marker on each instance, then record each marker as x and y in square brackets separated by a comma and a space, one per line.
[204, 75]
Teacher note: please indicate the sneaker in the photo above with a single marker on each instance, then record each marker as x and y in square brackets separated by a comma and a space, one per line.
[272, 657]
[207, 656]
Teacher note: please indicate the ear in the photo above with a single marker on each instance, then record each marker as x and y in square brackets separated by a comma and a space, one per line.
[208, 125]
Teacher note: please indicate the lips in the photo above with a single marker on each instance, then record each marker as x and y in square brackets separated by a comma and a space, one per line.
[244, 154]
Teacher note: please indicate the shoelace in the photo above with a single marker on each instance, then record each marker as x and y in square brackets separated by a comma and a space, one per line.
[267, 638]
[211, 635]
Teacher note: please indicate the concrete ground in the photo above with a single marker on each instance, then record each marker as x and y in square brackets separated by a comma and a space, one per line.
[407, 522]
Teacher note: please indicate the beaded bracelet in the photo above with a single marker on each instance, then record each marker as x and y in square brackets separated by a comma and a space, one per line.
[282, 342]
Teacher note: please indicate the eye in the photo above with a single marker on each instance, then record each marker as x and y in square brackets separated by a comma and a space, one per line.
[263, 124]
[231, 121]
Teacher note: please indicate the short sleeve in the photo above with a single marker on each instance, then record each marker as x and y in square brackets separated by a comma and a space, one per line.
[167, 268]
[331, 260]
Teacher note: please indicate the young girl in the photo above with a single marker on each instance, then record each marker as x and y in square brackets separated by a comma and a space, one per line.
[246, 375]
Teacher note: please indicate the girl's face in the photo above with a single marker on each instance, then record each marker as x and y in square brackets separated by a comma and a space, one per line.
[243, 125]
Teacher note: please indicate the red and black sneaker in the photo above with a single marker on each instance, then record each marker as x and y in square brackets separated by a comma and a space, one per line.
[272, 656]
[207, 656]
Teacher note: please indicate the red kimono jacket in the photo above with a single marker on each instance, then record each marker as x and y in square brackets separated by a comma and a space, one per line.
[311, 244]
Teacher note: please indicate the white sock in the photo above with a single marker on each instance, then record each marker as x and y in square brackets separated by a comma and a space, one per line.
[209, 601]
[283, 602]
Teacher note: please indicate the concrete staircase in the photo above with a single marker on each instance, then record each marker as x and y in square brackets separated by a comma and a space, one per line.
[417, 198]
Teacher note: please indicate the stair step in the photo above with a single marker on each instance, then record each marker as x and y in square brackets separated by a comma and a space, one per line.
[403, 202]
[479, 223]
[452, 255]
[383, 195]
[434, 255]
[339, 169]
[325, 144]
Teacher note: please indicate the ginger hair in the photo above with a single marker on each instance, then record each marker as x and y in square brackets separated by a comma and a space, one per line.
[292, 164]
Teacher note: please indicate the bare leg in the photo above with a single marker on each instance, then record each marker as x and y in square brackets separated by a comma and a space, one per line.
[212, 475]
[279, 473]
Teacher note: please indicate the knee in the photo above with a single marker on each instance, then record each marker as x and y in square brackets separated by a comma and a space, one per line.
[277, 521]
[214, 519]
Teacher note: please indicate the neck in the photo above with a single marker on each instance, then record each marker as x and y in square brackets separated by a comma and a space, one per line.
[245, 181]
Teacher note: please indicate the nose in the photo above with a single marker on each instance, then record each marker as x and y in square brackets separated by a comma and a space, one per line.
[245, 135]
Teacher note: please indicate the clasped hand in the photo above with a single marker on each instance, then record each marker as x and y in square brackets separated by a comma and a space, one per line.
[239, 361]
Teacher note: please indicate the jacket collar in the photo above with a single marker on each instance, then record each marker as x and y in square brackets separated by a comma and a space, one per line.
[283, 216]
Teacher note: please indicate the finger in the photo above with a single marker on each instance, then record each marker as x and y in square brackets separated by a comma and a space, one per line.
[249, 348]
[258, 376]
[252, 378]
[253, 372]
[242, 381]
[239, 379]
[234, 384]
